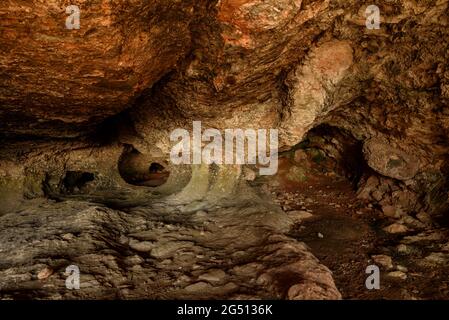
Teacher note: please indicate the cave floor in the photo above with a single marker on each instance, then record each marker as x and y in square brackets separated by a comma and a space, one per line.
[346, 234]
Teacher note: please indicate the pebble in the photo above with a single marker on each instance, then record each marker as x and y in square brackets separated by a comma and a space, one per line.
[401, 268]
[383, 260]
[45, 273]
[68, 236]
[133, 260]
[141, 246]
[198, 287]
[320, 235]
[390, 211]
[398, 275]
[396, 228]
[213, 276]
[404, 249]
[299, 215]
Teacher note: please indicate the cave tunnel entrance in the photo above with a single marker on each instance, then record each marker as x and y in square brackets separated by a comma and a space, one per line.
[328, 151]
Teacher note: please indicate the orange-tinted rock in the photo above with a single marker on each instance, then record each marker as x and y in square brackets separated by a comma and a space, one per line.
[54, 80]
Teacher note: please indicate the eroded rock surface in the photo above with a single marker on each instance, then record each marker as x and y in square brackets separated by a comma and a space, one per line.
[156, 252]
[75, 78]
[84, 113]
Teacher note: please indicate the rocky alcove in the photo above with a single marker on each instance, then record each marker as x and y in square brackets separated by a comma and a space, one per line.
[86, 177]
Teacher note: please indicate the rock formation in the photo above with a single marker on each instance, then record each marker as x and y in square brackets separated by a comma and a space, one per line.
[86, 116]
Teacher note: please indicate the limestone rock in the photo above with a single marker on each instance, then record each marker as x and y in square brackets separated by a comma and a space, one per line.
[383, 260]
[299, 215]
[389, 160]
[213, 276]
[396, 228]
[397, 275]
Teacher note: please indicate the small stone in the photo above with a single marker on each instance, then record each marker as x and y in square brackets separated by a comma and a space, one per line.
[141, 246]
[264, 279]
[123, 240]
[401, 268]
[68, 236]
[198, 287]
[45, 273]
[383, 260]
[133, 260]
[424, 218]
[436, 258]
[390, 211]
[396, 228]
[213, 276]
[299, 215]
[404, 249]
[398, 275]
[247, 270]
[320, 235]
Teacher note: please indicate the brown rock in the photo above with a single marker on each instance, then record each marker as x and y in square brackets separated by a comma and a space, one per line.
[396, 228]
[45, 273]
[75, 78]
[383, 260]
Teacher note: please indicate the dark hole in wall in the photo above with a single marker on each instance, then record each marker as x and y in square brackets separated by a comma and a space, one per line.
[156, 168]
[75, 180]
[141, 170]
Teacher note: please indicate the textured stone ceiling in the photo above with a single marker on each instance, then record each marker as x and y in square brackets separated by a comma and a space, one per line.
[82, 111]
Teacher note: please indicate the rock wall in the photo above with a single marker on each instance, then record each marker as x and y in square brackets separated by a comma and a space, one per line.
[73, 103]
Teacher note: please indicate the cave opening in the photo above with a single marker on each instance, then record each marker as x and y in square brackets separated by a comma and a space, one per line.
[324, 153]
[75, 181]
[140, 169]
